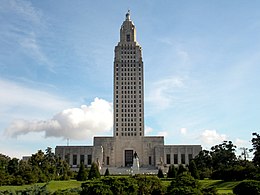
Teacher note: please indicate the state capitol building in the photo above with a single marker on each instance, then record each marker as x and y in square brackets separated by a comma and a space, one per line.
[117, 151]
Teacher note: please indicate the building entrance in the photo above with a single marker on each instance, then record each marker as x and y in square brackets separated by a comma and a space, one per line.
[129, 158]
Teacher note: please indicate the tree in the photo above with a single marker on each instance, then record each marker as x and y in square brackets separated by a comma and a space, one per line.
[223, 155]
[247, 187]
[193, 170]
[160, 173]
[13, 166]
[107, 172]
[181, 169]
[82, 174]
[171, 172]
[94, 172]
[184, 184]
[244, 153]
[256, 148]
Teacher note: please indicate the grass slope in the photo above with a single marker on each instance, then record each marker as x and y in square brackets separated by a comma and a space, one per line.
[52, 186]
[222, 186]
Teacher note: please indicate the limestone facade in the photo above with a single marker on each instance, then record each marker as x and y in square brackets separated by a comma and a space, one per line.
[128, 132]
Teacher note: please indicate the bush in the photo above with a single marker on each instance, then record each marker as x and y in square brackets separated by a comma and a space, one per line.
[181, 169]
[149, 185]
[160, 173]
[94, 172]
[247, 187]
[107, 172]
[193, 170]
[211, 190]
[171, 172]
[95, 187]
[138, 184]
[82, 174]
[184, 184]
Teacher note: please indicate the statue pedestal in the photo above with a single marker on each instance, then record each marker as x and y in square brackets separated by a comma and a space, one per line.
[135, 166]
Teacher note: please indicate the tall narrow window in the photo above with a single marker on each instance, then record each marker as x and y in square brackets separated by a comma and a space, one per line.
[175, 159]
[82, 158]
[128, 38]
[107, 160]
[168, 159]
[150, 160]
[89, 159]
[182, 158]
[74, 159]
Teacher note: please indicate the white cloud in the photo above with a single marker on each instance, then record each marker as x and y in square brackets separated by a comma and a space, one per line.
[22, 8]
[162, 133]
[183, 131]
[14, 96]
[241, 143]
[25, 37]
[73, 123]
[161, 93]
[211, 137]
[148, 130]
[33, 49]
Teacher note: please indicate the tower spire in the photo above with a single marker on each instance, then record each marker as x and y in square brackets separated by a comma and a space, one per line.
[127, 16]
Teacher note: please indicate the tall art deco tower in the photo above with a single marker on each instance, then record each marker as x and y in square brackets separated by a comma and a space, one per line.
[128, 141]
[128, 84]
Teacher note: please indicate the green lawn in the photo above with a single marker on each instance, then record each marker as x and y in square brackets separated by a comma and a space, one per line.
[3, 188]
[222, 187]
[52, 186]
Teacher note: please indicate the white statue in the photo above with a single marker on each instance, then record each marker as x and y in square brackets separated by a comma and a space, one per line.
[136, 165]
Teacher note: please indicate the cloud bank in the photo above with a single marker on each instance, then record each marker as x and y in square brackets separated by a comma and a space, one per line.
[74, 123]
[211, 137]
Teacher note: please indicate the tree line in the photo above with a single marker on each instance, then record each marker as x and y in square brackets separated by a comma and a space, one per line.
[41, 167]
[222, 163]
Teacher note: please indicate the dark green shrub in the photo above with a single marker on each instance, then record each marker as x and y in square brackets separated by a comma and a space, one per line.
[184, 184]
[171, 172]
[181, 169]
[82, 174]
[211, 190]
[193, 170]
[247, 187]
[160, 173]
[107, 172]
[94, 172]
[96, 187]
[149, 185]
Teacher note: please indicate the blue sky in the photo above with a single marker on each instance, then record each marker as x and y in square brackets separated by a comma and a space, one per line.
[201, 59]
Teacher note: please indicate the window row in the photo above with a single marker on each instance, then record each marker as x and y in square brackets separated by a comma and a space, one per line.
[128, 83]
[128, 92]
[76, 161]
[176, 160]
[128, 78]
[126, 114]
[129, 96]
[127, 56]
[128, 65]
[127, 119]
[128, 69]
[128, 74]
[128, 134]
[129, 87]
[129, 105]
[128, 101]
[128, 60]
[127, 52]
[128, 47]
